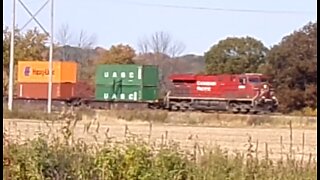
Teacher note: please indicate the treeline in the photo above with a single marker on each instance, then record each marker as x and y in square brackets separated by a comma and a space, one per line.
[291, 64]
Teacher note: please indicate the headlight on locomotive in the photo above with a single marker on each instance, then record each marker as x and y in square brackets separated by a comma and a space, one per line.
[265, 86]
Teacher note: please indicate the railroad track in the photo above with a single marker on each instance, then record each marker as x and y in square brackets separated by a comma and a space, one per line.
[41, 105]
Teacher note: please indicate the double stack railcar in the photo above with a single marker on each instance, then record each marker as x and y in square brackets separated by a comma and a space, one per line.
[33, 79]
[125, 86]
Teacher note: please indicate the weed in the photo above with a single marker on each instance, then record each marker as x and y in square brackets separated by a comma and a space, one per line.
[65, 157]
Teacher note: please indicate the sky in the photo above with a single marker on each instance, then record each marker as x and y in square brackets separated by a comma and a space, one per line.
[198, 24]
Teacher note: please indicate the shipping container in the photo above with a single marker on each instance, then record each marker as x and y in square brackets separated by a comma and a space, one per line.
[40, 90]
[38, 72]
[126, 93]
[138, 75]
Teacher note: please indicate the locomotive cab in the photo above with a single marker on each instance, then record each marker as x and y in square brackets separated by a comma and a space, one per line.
[265, 97]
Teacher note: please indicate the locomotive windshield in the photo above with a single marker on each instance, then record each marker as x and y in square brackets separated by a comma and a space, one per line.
[257, 80]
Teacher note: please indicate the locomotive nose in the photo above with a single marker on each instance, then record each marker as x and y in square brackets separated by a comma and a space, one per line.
[266, 91]
[265, 86]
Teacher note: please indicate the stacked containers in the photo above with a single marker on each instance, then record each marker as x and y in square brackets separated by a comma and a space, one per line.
[127, 82]
[33, 78]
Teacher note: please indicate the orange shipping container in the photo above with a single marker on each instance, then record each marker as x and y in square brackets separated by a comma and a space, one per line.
[61, 91]
[38, 72]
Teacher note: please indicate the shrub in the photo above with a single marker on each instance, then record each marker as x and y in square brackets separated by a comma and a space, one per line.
[135, 159]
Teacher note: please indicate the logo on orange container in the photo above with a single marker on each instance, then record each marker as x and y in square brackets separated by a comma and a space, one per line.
[27, 71]
[38, 72]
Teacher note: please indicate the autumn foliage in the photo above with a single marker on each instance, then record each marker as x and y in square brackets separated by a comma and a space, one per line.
[293, 66]
[119, 54]
[28, 46]
[235, 56]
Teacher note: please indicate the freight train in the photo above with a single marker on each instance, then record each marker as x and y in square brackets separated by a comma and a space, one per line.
[137, 86]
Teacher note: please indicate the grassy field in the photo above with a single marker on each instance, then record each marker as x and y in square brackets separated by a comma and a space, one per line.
[93, 149]
[156, 145]
[66, 153]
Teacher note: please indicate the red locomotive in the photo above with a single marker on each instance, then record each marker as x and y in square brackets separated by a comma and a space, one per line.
[243, 93]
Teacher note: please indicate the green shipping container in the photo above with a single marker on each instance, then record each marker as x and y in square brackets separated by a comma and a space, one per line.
[126, 93]
[138, 75]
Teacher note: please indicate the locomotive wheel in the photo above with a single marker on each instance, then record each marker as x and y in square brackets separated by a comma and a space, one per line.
[245, 111]
[235, 111]
[233, 108]
[184, 106]
[174, 108]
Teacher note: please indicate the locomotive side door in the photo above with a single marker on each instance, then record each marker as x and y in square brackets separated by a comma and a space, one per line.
[242, 87]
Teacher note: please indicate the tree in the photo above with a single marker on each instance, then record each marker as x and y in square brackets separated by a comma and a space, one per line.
[29, 46]
[64, 39]
[235, 56]
[292, 64]
[119, 54]
[86, 41]
[83, 50]
[64, 35]
[161, 43]
[82, 53]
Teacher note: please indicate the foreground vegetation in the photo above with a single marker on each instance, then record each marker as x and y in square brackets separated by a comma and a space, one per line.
[134, 158]
[64, 156]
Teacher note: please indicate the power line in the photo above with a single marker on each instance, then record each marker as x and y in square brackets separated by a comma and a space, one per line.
[218, 9]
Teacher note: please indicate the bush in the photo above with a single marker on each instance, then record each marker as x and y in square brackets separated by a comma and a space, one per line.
[143, 115]
[307, 111]
[135, 159]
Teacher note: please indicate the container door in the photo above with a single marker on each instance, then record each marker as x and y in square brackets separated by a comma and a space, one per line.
[20, 90]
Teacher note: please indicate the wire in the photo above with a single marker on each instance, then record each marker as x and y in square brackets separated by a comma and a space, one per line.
[219, 9]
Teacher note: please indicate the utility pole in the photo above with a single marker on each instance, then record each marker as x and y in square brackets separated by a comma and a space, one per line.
[11, 64]
[50, 60]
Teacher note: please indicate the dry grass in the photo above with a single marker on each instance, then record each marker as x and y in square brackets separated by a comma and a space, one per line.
[208, 119]
[75, 149]
[303, 143]
[173, 118]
